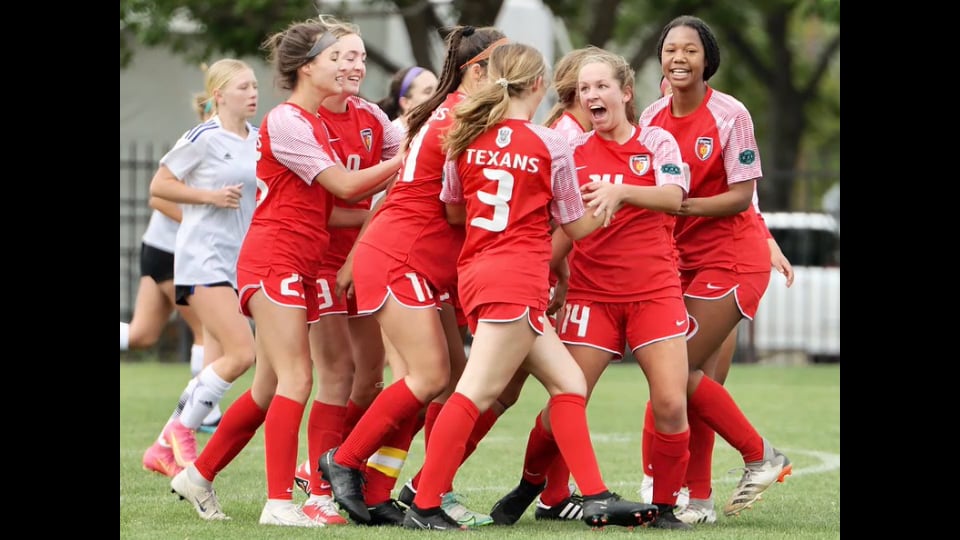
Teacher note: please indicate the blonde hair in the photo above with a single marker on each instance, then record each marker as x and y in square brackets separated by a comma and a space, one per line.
[512, 70]
[217, 76]
[565, 75]
[623, 74]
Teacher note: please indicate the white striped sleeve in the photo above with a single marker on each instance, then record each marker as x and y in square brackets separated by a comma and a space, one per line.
[295, 144]
[666, 157]
[567, 204]
[452, 190]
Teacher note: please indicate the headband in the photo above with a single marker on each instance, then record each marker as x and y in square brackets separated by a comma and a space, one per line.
[484, 54]
[326, 39]
[412, 74]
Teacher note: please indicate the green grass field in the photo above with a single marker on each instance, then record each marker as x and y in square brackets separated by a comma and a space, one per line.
[796, 407]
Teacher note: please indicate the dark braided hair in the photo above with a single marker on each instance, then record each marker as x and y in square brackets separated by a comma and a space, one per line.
[463, 44]
[711, 50]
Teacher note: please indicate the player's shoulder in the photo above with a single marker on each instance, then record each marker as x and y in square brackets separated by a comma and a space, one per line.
[725, 104]
[653, 110]
[201, 130]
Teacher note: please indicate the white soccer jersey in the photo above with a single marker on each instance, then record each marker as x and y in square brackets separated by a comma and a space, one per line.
[208, 242]
[161, 232]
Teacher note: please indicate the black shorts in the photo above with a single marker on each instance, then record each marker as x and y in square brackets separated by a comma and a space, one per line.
[156, 263]
[183, 292]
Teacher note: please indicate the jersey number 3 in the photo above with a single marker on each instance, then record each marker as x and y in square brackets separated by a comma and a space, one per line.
[499, 201]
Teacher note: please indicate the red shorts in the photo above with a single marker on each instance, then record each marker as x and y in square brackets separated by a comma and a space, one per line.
[610, 326]
[329, 304]
[451, 297]
[502, 313]
[377, 275]
[282, 287]
[716, 283]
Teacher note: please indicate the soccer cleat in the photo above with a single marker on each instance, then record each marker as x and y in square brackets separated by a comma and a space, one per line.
[407, 493]
[757, 477]
[569, 508]
[613, 510]
[285, 514]
[451, 505]
[437, 520]
[698, 511]
[302, 476]
[182, 440]
[646, 492]
[159, 459]
[511, 507]
[386, 513]
[666, 519]
[203, 499]
[347, 487]
[323, 510]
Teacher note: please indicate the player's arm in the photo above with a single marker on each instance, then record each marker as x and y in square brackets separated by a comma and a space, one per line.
[736, 199]
[170, 209]
[347, 217]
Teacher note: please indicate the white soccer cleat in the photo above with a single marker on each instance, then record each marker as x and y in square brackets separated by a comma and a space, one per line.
[285, 514]
[757, 477]
[203, 499]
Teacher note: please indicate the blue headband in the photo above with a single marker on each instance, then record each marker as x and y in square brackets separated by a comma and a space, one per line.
[412, 74]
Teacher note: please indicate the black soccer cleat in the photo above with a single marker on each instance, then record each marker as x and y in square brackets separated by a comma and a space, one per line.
[434, 519]
[611, 509]
[511, 507]
[386, 513]
[347, 487]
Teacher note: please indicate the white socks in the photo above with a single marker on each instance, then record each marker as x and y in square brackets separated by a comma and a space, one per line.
[208, 392]
[196, 359]
[124, 336]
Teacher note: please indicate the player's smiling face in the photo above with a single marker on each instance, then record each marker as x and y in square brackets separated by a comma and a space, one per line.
[601, 95]
[354, 58]
[682, 57]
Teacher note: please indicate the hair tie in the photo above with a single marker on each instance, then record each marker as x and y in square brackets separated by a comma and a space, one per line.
[468, 31]
[502, 82]
[412, 74]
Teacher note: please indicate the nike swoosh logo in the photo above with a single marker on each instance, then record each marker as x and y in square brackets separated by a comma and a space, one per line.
[679, 323]
[713, 287]
[200, 505]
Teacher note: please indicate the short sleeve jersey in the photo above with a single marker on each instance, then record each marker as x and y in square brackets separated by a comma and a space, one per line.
[289, 227]
[411, 225]
[633, 258]
[718, 144]
[512, 178]
[361, 136]
[209, 157]
[568, 126]
[161, 232]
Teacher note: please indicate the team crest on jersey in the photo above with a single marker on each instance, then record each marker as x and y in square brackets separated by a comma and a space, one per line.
[704, 148]
[503, 137]
[366, 135]
[640, 164]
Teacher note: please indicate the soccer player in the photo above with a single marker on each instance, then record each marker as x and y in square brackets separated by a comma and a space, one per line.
[404, 261]
[505, 178]
[347, 349]
[279, 262]
[210, 172]
[724, 258]
[408, 88]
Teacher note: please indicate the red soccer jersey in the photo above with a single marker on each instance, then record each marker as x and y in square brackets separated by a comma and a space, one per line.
[362, 137]
[513, 177]
[717, 143]
[289, 225]
[411, 225]
[633, 259]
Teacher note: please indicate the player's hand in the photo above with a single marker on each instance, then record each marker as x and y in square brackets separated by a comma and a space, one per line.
[604, 198]
[344, 284]
[779, 261]
[227, 197]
